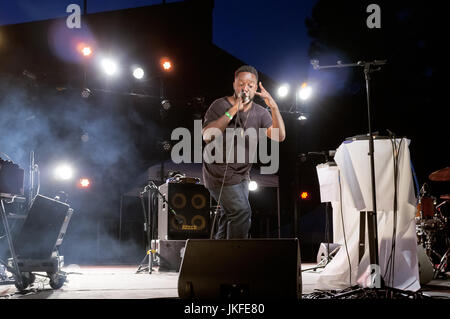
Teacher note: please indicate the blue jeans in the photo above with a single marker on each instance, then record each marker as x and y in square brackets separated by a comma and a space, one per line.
[234, 216]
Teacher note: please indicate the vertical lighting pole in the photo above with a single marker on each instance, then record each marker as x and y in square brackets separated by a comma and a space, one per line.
[303, 93]
[86, 51]
[166, 66]
[296, 170]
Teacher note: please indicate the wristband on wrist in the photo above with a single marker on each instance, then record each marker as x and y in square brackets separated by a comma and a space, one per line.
[228, 114]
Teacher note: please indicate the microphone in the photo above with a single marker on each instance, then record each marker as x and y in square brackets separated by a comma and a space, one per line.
[326, 153]
[243, 96]
[145, 190]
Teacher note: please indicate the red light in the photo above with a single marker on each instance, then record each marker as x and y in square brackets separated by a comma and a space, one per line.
[84, 183]
[84, 49]
[304, 195]
[166, 64]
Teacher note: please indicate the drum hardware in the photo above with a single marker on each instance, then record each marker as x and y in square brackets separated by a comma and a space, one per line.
[425, 207]
[442, 175]
[432, 227]
[440, 269]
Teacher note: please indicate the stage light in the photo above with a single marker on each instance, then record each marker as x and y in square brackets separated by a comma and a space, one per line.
[283, 90]
[87, 51]
[166, 146]
[85, 93]
[304, 195]
[63, 172]
[304, 92]
[252, 186]
[84, 183]
[166, 64]
[109, 66]
[302, 117]
[138, 73]
[84, 49]
[165, 104]
[85, 137]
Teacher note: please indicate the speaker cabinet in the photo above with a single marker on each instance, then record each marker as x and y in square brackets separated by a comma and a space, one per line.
[171, 254]
[11, 178]
[191, 202]
[43, 230]
[241, 269]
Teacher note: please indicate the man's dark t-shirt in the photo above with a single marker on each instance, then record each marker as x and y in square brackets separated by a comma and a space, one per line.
[256, 117]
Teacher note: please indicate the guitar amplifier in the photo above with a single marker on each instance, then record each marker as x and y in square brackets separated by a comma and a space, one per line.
[11, 178]
[191, 202]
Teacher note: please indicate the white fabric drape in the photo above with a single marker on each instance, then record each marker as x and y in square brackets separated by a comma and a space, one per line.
[354, 183]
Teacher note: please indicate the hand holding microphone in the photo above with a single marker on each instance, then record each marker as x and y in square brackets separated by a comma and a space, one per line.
[240, 99]
[243, 96]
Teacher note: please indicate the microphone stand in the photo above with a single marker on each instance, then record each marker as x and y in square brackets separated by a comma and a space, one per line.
[368, 68]
[153, 186]
[148, 226]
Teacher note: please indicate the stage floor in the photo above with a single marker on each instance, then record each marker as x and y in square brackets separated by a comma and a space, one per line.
[122, 282]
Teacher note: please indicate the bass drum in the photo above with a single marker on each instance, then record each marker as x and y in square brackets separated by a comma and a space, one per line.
[426, 270]
[425, 207]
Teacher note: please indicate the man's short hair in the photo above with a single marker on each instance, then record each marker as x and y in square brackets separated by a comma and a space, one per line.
[246, 68]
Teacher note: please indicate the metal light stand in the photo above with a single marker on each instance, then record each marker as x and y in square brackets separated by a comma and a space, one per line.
[372, 215]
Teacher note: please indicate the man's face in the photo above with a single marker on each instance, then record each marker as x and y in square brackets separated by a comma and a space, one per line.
[245, 81]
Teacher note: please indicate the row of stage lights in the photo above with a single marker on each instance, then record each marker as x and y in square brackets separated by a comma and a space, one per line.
[111, 67]
[64, 172]
[304, 92]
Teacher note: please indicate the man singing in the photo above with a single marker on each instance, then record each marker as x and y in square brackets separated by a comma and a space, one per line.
[228, 181]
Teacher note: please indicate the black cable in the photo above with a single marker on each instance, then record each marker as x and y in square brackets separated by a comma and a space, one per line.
[226, 165]
[343, 229]
[391, 261]
[397, 154]
[154, 203]
[148, 241]
[389, 267]
[144, 211]
[327, 232]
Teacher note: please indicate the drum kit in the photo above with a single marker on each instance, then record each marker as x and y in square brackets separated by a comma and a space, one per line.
[433, 225]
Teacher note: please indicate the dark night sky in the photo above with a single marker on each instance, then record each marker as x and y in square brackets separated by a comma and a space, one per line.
[271, 35]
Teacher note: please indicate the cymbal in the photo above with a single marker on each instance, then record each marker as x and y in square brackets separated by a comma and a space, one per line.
[441, 175]
[445, 197]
